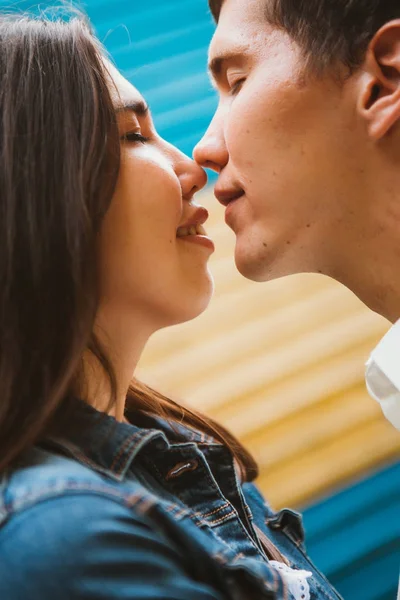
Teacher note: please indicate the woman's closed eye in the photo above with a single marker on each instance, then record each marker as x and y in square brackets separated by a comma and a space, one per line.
[134, 136]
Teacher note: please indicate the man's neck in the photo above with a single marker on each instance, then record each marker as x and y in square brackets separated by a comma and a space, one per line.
[380, 295]
[371, 270]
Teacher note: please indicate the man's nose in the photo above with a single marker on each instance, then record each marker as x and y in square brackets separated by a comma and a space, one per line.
[211, 151]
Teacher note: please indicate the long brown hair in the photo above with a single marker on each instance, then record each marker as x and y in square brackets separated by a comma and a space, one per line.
[59, 161]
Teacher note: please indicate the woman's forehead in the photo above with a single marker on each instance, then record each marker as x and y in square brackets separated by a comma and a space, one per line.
[121, 90]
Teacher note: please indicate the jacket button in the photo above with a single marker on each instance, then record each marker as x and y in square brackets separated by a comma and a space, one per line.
[182, 468]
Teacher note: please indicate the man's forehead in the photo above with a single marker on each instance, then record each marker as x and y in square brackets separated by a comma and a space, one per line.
[239, 26]
[238, 14]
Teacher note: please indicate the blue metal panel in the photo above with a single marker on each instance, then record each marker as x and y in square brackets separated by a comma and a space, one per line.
[354, 536]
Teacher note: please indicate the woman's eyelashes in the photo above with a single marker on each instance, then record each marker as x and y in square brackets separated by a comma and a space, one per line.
[135, 136]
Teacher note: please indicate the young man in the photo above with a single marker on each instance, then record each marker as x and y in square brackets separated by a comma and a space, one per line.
[306, 142]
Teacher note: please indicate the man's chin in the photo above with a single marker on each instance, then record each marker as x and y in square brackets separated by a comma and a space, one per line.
[264, 266]
[254, 269]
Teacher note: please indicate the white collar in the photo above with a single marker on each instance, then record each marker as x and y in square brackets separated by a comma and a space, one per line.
[383, 374]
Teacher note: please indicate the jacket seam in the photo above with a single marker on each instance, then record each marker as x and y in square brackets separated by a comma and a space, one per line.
[128, 500]
[213, 512]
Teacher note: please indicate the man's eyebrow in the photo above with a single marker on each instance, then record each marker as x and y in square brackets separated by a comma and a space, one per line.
[216, 64]
[139, 107]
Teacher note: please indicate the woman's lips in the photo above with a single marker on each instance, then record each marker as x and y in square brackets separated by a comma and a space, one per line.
[202, 240]
[196, 234]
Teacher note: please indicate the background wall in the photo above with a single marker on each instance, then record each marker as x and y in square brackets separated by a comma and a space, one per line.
[280, 364]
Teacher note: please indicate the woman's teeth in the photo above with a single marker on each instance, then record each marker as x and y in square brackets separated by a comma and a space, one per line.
[194, 230]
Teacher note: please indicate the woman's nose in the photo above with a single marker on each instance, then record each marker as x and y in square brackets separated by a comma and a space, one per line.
[191, 176]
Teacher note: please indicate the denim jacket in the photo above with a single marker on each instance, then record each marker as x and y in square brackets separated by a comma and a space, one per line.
[126, 511]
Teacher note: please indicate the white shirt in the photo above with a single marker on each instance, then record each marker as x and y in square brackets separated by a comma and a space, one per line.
[296, 580]
[383, 378]
[383, 375]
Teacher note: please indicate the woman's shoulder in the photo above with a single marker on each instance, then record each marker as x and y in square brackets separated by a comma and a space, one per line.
[67, 533]
[44, 475]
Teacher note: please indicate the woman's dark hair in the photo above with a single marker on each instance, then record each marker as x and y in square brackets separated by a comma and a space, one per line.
[328, 31]
[59, 162]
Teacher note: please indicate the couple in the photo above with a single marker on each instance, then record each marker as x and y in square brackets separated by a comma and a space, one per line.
[110, 490]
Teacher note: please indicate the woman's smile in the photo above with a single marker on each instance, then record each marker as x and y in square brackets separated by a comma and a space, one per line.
[193, 230]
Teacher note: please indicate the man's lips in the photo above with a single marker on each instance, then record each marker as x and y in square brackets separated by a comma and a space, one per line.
[226, 196]
[231, 212]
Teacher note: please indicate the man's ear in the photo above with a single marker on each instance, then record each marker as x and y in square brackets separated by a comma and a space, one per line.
[379, 97]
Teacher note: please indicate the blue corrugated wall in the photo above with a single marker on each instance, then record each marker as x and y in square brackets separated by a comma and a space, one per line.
[354, 536]
[161, 46]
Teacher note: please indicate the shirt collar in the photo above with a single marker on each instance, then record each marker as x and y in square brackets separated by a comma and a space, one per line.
[383, 374]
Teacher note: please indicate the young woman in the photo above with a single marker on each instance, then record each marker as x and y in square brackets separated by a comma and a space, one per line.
[108, 489]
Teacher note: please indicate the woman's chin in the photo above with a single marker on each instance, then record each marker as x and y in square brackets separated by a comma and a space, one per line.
[195, 304]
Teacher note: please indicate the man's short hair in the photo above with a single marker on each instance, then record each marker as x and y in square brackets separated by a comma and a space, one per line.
[328, 31]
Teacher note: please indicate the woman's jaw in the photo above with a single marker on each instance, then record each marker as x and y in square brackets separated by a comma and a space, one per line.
[154, 250]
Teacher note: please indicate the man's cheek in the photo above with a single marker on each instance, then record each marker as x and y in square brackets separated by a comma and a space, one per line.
[244, 142]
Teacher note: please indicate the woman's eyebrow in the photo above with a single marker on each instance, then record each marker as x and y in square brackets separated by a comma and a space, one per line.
[139, 107]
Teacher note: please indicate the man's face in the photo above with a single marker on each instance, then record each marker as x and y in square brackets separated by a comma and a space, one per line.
[287, 147]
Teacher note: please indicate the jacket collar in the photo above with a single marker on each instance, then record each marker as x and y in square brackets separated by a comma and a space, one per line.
[101, 442]
[109, 446]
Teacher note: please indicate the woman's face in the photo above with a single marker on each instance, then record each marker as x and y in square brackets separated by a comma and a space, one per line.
[154, 251]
